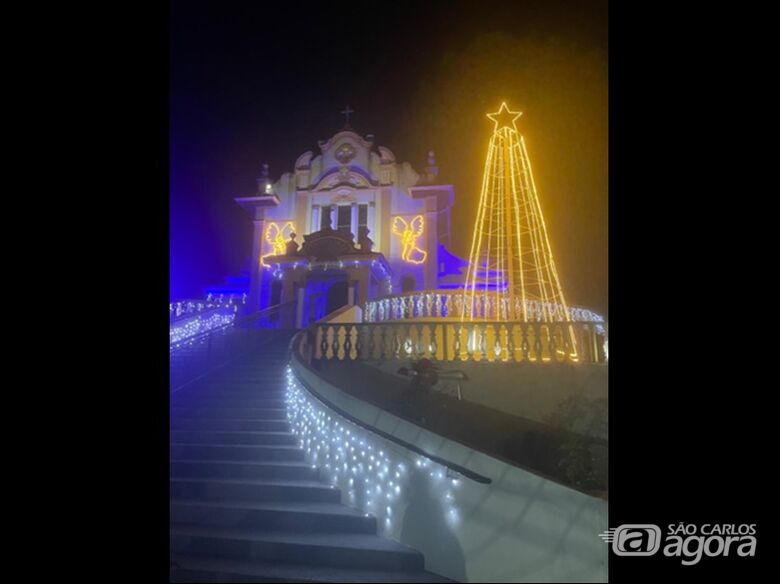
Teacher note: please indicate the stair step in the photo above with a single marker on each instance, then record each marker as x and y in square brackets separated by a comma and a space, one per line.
[259, 379]
[254, 372]
[252, 489]
[224, 437]
[229, 400]
[342, 550]
[252, 452]
[248, 376]
[229, 424]
[231, 391]
[275, 393]
[271, 516]
[230, 412]
[230, 469]
[248, 383]
[246, 506]
[200, 569]
[247, 388]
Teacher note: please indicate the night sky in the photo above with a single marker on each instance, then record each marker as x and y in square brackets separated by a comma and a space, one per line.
[259, 82]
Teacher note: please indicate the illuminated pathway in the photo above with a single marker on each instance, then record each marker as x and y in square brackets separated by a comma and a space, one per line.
[245, 507]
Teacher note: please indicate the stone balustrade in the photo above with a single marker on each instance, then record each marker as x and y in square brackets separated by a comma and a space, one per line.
[442, 340]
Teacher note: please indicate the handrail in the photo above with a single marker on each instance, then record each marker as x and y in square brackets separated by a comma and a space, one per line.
[259, 313]
[474, 476]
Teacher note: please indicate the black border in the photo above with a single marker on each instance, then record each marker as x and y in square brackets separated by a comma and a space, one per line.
[690, 285]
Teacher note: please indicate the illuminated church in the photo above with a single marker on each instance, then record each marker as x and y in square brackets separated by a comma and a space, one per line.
[349, 223]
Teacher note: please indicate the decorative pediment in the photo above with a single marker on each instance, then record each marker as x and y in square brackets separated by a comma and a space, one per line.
[343, 177]
[345, 152]
[328, 244]
[347, 160]
[346, 136]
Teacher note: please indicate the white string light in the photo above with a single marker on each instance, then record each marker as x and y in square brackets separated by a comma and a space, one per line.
[372, 471]
[180, 333]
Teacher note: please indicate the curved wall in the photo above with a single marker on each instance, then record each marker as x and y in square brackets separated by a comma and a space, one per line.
[518, 528]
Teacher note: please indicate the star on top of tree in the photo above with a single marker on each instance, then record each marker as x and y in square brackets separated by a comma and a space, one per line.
[504, 117]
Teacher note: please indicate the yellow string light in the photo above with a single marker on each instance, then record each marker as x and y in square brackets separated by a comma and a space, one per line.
[511, 263]
[409, 233]
[277, 237]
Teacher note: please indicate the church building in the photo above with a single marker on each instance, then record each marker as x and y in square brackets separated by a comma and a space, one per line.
[348, 224]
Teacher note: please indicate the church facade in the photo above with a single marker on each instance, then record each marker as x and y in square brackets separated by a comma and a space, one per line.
[349, 224]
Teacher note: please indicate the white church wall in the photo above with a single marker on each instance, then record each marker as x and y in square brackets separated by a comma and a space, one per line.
[320, 180]
[316, 168]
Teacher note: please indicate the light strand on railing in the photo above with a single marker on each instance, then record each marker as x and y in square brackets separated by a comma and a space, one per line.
[370, 471]
[186, 307]
[438, 304]
[279, 267]
[180, 333]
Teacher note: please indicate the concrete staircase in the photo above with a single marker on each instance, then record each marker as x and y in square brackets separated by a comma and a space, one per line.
[245, 506]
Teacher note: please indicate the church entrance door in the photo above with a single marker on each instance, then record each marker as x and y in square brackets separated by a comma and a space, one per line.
[325, 292]
[337, 296]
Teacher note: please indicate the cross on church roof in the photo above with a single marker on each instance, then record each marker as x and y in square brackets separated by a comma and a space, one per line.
[346, 113]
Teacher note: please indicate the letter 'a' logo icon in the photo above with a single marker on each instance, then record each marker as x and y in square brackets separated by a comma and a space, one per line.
[633, 539]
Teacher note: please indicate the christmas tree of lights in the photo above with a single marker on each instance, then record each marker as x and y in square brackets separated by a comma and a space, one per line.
[511, 274]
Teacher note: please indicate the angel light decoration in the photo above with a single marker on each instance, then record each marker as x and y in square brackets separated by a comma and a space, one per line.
[409, 233]
[277, 237]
